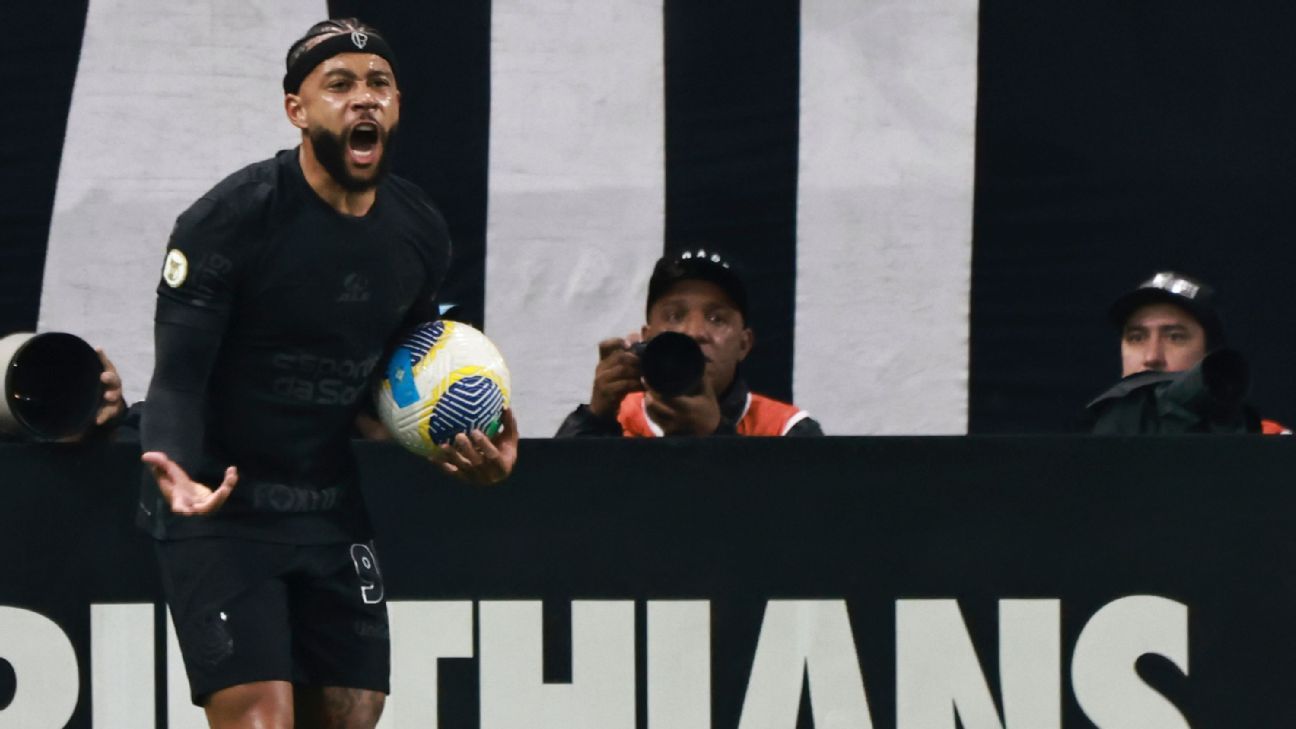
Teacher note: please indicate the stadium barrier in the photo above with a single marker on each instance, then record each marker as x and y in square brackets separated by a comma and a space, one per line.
[750, 583]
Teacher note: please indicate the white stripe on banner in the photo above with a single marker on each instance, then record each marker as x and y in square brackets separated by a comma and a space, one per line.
[169, 98]
[884, 232]
[122, 663]
[576, 202]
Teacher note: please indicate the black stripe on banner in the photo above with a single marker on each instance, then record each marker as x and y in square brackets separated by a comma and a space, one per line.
[444, 54]
[40, 54]
[1115, 140]
[732, 85]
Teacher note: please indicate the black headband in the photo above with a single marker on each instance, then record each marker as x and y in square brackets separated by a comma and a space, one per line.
[357, 41]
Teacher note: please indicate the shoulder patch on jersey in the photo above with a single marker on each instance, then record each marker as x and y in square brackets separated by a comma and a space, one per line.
[176, 268]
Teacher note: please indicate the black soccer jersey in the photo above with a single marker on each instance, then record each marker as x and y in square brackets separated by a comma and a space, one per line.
[274, 312]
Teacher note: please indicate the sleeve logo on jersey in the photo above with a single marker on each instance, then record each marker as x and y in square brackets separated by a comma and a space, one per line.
[176, 268]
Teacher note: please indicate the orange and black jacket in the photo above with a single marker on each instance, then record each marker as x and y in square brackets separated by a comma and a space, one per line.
[742, 412]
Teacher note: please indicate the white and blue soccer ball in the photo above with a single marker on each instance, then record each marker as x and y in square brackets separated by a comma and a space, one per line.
[442, 379]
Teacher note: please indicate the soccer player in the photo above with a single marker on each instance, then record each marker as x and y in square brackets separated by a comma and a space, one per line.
[281, 289]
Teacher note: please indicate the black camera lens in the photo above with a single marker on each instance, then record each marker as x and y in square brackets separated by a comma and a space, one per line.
[51, 386]
[672, 364]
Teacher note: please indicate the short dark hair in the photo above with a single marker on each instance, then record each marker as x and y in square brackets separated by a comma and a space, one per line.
[327, 39]
[324, 29]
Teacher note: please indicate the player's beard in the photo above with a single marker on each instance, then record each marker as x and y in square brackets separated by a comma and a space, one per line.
[331, 150]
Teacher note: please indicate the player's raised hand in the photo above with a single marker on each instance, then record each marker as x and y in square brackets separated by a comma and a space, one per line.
[184, 495]
[477, 459]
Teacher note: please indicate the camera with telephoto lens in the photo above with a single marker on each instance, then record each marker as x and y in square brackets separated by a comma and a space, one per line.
[1209, 397]
[1213, 389]
[672, 364]
[50, 385]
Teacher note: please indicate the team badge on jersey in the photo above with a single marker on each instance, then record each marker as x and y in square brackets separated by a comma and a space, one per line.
[176, 268]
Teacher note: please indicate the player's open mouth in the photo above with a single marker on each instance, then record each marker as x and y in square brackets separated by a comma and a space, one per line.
[363, 143]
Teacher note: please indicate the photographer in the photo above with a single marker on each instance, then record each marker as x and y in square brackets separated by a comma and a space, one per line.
[646, 386]
[1177, 374]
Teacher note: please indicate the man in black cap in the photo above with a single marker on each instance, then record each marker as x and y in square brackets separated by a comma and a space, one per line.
[1177, 375]
[697, 294]
[1167, 324]
[281, 290]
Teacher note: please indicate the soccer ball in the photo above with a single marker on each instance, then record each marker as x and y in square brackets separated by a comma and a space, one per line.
[442, 379]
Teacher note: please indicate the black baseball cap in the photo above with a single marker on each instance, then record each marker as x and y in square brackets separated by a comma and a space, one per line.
[1190, 294]
[699, 264]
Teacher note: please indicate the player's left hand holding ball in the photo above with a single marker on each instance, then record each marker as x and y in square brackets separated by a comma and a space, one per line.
[184, 495]
[477, 459]
[445, 396]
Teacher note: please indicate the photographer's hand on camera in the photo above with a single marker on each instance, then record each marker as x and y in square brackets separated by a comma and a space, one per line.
[616, 376]
[113, 404]
[693, 414]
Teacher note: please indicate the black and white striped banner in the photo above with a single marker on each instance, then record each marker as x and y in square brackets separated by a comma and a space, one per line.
[826, 144]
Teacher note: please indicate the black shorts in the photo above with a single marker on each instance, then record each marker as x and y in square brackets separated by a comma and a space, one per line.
[249, 611]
